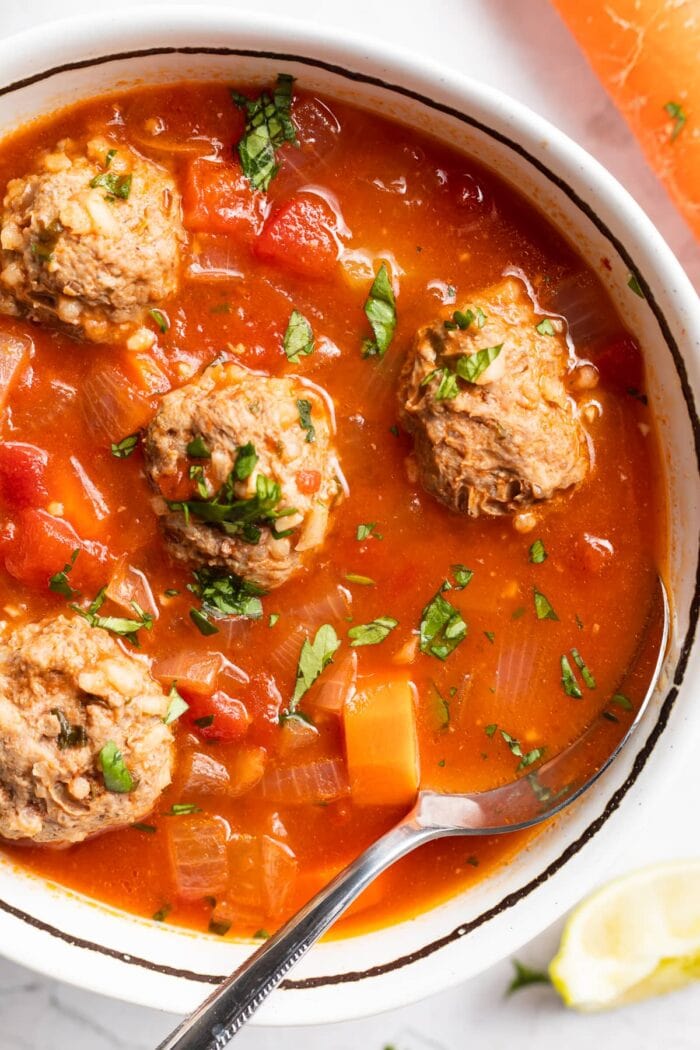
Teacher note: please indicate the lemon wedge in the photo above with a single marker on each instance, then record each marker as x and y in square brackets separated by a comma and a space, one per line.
[636, 937]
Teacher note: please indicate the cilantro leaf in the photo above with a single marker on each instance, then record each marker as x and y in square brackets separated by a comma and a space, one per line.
[117, 777]
[543, 607]
[380, 310]
[69, 735]
[268, 126]
[471, 366]
[224, 594]
[197, 448]
[304, 409]
[372, 633]
[678, 115]
[119, 625]
[298, 339]
[545, 327]
[537, 552]
[122, 449]
[313, 659]
[441, 628]
[177, 705]
[58, 583]
[568, 679]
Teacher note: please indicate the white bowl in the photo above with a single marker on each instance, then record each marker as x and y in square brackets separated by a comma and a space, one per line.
[69, 937]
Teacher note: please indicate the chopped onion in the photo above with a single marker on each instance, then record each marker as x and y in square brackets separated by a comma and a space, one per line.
[263, 871]
[215, 258]
[195, 146]
[246, 769]
[334, 603]
[279, 872]
[128, 585]
[195, 672]
[198, 855]
[203, 775]
[15, 353]
[589, 315]
[282, 661]
[296, 733]
[111, 406]
[322, 780]
[335, 686]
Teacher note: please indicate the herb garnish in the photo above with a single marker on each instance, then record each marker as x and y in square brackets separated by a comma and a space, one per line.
[197, 448]
[148, 829]
[678, 115]
[568, 679]
[117, 777]
[537, 552]
[633, 283]
[304, 409]
[313, 659]
[223, 594]
[161, 319]
[116, 185]
[363, 581]
[372, 633]
[123, 449]
[622, 701]
[177, 705]
[119, 625]
[272, 619]
[524, 976]
[380, 310]
[490, 729]
[543, 607]
[204, 722]
[268, 126]
[202, 623]
[585, 673]
[219, 926]
[182, 809]
[462, 576]
[58, 583]
[526, 759]
[367, 530]
[246, 458]
[460, 319]
[441, 628]
[42, 248]
[545, 327]
[69, 735]
[162, 913]
[468, 367]
[298, 339]
[490, 636]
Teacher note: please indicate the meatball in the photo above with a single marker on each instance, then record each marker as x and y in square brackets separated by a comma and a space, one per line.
[71, 700]
[494, 440]
[247, 472]
[91, 241]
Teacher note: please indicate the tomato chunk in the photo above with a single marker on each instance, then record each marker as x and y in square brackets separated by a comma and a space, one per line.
[218, 198]
[308, 481]
[219, 716]
[40, 545]
[301, 236]
[22, 475]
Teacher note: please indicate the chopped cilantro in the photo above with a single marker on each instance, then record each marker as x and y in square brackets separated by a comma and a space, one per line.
[204, 722]
[537, 552]
[525, 976]
[313, 659]
[69, 735]
[117, 777]
[161, 319]
[272, 619]
[462, 576]
[372, 633]
[197, 448]
[182, 809]
[380, 310]
[304, 409]
[239, 517]
[298, 339]
[119, 625]
[633, 283]
[441, 628]
[526, 758]
[545, 327]
[162, 913]
[543, 607]
[220, 927]
[620, 700]
[678, 115]
[490, 729]
[148, 829]
[58, 583]
[123, 449]
[491, 636]
[268, 126]
[223, 594]
[585, 673]
[367, 530]
[363, 581]
[568, 679]
[116, 185]
[177, 706]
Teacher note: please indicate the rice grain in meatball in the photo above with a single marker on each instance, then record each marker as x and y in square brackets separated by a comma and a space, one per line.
[70, 700]
[494, 427]
[91, 241]
[247, 472]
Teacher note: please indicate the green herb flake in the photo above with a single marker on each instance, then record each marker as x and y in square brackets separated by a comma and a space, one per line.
[471, 366]
[620, 700]
[123, 449]
[490, 636]
[162, 913]
[313, 659]
[118, 625]
[171, 592]
[633, 283]
[462, 576]
[441, 628]
[380, 310]
[568, 679]
[525, 976]
[183, 809]
[490, 729]
[272, 619]
[678, 116]
[304, 409]
[161, 319]
[518, 613]
[268, 126]
[363, 581]
[372, 633]
[224, 594]
[204, 722]
[177, 705]
[69, 736]
[116, 776]
[537, 552]
[197, 448]
[298, 340]
[202, 623]
[481, 317]
[117, 186]
[58, 583]
[585, 673]
[220, 927]
[545, 327]
[367, 531]
[261, 935]
[147, 829]
[240, 517]
[109, 157]
[246, 459]
[543, 607]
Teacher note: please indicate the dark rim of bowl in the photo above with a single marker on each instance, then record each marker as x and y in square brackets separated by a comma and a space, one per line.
[643, 755]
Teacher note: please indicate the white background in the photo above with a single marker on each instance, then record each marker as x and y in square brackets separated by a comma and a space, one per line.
[521, 47]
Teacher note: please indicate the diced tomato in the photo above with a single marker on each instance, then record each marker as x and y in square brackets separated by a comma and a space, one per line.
[308, 481]
[620, 364]
[15, 353]
[301, 237]
[22, 475]
[592, 553]
[218, 198]
[263, 700]
[40, 545]
[229, 717]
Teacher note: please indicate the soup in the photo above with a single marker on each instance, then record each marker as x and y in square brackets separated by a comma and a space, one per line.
[326, 473]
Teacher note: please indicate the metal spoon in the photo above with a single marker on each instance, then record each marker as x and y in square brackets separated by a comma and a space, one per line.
[525, 802]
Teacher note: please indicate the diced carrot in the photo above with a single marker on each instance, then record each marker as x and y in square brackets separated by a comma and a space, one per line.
[84, 506]
[301, 237]
[198, 856]
[195, 672]
[145, 373]
[42, 544]
[308, 481]
[22, 475]
[382, 743]
[15, 354]
[219, 716]
[646, 54]
[218, 198]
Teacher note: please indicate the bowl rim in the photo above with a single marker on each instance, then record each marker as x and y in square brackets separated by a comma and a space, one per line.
[90, 34]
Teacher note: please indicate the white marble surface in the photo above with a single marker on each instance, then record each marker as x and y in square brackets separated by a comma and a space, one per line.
[520, 46]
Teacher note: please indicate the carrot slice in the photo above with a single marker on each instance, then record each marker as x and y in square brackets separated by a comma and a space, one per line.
[646, 54]
[382, 743]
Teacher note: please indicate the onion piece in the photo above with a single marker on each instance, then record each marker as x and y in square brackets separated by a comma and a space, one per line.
[334, 604]
[279, 872]
[128, 585]
[215, 258]
[111, 406]
[335, 686]
[194, 672]
[15, 354]
[296, 733]
[203, 775]
[263, 870]
[246, 770]
[198, 856]
[589, 315]
[322, 780]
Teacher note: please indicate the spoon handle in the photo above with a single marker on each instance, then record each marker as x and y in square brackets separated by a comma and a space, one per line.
[234, 1002]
